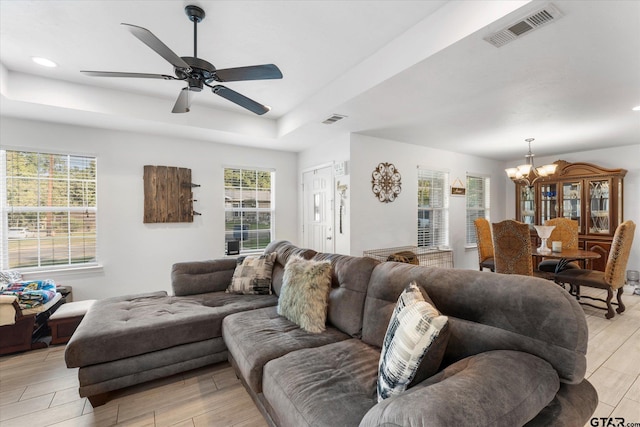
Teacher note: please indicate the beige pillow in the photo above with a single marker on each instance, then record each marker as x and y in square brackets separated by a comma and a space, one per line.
[253, 275]
[304, 297]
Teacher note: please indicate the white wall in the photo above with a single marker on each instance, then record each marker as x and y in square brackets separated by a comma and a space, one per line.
[333, 151]
[138, 257]
[613, 158]
[376, 225]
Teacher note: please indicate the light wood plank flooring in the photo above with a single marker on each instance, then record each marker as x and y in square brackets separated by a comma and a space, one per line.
[36, 388]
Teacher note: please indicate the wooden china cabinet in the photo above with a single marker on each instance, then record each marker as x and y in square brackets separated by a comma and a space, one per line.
[584, 192]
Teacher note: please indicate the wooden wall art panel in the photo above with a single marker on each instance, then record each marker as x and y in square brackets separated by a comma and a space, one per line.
[167, 194]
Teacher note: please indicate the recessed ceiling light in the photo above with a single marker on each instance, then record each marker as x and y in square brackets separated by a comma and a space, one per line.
[636, 108]
[44, 62]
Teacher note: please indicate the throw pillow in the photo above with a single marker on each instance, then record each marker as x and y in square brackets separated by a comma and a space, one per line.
[413, 332]
[304, 297]
[253, 275]
[8, 277]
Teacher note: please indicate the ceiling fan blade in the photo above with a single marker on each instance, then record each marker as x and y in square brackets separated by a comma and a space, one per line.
[239, 99]
[183, 103]
[147, 37]
[254, 72]
[118, 74]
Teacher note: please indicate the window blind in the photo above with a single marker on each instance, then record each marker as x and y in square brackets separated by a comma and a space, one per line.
[249, 207]
[478, 204]
[433, 208]
[49, 209]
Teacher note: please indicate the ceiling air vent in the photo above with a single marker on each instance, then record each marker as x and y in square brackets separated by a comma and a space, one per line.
[334, 118]
[524, 25]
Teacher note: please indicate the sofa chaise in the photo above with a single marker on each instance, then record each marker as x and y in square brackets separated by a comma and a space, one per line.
[515, 354]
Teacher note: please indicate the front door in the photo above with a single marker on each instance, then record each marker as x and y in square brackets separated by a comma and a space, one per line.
[318, 209]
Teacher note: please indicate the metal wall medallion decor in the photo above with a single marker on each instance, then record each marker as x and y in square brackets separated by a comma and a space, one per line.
[386, 182]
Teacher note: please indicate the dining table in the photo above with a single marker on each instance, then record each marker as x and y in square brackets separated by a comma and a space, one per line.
[566, 255]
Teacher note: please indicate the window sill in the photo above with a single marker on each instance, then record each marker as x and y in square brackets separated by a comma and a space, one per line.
[62, 272]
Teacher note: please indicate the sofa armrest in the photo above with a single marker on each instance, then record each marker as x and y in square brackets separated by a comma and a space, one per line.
[199, 277]
[500, 388]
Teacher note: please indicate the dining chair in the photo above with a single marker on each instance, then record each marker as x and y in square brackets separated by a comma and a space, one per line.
[485, 244]
[512, 248]
[613, 276]
[566, 231]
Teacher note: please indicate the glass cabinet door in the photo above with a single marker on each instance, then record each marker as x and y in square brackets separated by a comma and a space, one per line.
[527, 204]
[548, 202]
[599, 213]
[571, 201]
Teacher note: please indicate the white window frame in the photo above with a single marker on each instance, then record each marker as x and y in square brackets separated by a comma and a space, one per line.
[238, 211]
[67, 208]
[478, 204]
[433, 208]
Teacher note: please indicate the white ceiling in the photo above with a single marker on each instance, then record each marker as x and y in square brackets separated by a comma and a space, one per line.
[412, 71]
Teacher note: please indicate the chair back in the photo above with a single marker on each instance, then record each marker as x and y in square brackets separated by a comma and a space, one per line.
[566, 231]
[614, 272]
[483, 239]
[512, 248]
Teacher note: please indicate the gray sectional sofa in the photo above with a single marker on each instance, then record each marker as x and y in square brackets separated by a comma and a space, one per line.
[515, 356]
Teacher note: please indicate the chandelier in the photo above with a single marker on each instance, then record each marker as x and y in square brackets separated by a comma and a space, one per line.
[528, 173]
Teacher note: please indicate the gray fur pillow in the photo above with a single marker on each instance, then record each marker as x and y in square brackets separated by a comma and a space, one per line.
[304, 297]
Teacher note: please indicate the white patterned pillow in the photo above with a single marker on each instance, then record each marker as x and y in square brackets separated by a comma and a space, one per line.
[8, 277]
[412, 332]
[253, 275]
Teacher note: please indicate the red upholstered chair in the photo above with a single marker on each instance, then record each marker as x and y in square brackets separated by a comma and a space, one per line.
[612, 278]
[512, 248]
[485, 244]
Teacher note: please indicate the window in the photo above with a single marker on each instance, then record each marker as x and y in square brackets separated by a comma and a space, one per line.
[433, 208]
[477, 204]
[249, 207]
[49, 208]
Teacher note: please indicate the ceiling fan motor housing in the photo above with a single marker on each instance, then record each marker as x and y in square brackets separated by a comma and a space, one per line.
[201, 71]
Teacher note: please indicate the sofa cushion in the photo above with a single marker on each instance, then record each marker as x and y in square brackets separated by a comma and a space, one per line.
[333, 385]
[284, 250]
[193, 278]
[255, 337]
[126, 326]
[349, 283]
[252, 275]
[414, 329]
[573, 405]
[487, 311]
[305, 292]
[499, 388]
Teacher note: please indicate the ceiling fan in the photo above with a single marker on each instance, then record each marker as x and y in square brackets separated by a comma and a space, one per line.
[197, 72]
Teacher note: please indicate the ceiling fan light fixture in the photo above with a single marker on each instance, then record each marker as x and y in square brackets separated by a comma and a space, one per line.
[44, 62]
